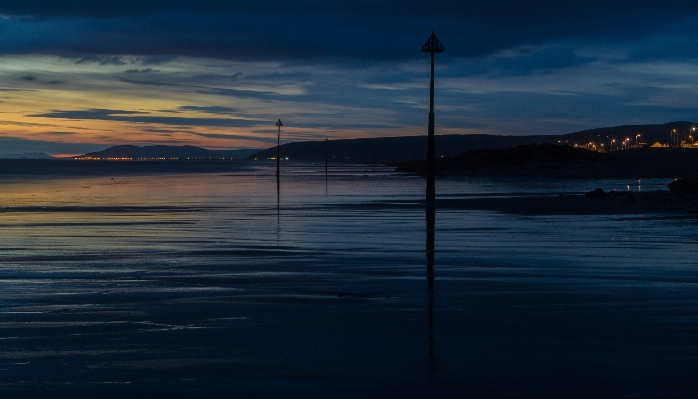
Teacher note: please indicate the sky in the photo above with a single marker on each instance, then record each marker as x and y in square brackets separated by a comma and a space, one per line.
[82, 75]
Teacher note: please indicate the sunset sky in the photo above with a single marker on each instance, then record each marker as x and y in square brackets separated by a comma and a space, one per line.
[82, 75]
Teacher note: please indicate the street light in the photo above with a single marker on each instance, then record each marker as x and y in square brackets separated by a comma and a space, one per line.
[612, 141]
[673, 135]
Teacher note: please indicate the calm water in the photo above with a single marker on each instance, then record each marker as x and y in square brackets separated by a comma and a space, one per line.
[209, 284]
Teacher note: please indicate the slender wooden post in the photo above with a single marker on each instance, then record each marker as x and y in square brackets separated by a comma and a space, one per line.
[326, 152]
[278, 149]
[431, 218]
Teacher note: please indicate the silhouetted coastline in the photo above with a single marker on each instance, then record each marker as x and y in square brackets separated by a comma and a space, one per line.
[402, 148]
[561, 161]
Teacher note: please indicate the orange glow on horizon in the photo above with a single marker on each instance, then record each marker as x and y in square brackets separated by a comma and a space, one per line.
[66, 156]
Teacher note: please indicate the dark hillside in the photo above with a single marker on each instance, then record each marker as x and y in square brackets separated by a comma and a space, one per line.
[392, 149]
[167, 152]
[399, 149]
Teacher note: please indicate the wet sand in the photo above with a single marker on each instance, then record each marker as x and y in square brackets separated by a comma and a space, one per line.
[642, 203]
[631, 203]
[215, 292]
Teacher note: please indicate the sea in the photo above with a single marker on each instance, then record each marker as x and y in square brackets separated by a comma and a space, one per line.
[218, 280]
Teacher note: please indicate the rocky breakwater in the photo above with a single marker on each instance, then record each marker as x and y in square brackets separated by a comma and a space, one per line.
[672, 200]
[534, 159]
[686, 187]
[562, 161]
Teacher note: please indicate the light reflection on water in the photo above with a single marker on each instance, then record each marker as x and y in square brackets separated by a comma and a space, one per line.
[154, 280]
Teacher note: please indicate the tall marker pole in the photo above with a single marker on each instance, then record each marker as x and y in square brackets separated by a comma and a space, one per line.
[326, 152]
[431, 46]
[278, 148]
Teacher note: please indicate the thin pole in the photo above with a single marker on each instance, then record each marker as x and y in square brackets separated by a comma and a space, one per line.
[431, 218]
[326, 151]
[278, 179]
[431, 151]
[278, 150]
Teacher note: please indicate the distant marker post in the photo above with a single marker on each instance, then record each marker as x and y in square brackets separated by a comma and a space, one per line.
[433, 45]
[278, 149]
[326, 152]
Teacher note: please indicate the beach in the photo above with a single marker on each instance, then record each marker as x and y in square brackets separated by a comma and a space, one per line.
[216, 285]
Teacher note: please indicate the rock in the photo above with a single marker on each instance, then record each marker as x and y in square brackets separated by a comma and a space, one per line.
[683, 187]
[629, 199]
[598, 193]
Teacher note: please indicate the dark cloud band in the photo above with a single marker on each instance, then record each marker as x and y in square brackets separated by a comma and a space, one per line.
[322, 30]
[141, 117]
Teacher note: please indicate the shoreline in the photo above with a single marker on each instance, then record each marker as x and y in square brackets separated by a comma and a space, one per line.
[644, 163]
[627, 203]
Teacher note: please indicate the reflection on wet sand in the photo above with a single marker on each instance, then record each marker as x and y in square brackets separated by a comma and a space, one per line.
[433, 362]
[176, 286]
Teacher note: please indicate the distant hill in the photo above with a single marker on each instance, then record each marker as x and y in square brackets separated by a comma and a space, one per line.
[27, 155]
[166, 152]
[399, 149]
[392, 149]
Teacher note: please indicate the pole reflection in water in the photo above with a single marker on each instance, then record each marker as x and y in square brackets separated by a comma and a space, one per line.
[433, 361]
[278, 205]
[326, 158]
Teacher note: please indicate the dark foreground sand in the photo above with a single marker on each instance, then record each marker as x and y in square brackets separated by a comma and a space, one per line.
[211, 291]
[638, 203]
[624, 203]
[642, 163]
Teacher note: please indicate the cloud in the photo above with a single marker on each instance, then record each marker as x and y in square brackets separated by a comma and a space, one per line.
[145, 82]
[103, 60]
[60, 133]
[358, 31]
[347, 68]
[143, 117]
[211, 109]
[16, 146]
[247, 94]
[270, 140]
